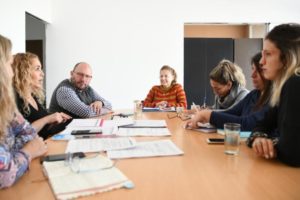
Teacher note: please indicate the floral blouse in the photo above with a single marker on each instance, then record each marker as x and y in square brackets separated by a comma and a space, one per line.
[13, 161]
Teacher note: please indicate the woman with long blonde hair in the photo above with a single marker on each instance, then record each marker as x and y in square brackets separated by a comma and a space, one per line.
[28, 83]
[19, 143]
[281, 64]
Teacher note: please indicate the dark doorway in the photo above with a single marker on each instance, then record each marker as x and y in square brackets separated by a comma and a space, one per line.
[36, 46]
[36, 39]
[201, 55]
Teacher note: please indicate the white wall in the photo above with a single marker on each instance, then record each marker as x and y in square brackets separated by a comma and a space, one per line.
[12, 19]
[127, 42]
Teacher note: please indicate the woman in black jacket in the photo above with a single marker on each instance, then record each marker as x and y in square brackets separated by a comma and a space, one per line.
[281, 63]
[28, 83]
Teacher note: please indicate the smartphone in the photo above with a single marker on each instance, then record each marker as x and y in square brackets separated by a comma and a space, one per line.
[57, 157]
[215, 140]
[86, 132]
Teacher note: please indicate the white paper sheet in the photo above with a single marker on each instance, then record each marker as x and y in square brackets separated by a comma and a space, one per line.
[85, 123]
[99, 144]
[143, 132]
[150, 123]
[147, 149]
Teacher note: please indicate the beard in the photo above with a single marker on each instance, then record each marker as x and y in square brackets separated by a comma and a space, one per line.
[79, 84]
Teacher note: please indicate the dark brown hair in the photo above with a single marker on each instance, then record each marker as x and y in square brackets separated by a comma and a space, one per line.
[265, 94]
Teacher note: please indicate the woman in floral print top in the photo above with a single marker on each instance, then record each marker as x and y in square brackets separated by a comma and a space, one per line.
[19, 143]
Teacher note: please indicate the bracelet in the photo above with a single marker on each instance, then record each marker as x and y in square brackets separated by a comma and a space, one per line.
[253, 136]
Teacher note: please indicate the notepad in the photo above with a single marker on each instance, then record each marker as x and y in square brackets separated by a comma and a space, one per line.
[67, 184]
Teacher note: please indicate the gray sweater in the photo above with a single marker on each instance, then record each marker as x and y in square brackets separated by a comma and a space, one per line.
[237, 93]
[68, 99]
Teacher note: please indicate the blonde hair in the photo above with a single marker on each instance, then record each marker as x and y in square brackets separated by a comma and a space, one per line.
[7, 101]
[286, 38]
[227, 71]
[22, 67]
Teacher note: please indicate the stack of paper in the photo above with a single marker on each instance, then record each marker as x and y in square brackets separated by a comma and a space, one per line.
[67, 184]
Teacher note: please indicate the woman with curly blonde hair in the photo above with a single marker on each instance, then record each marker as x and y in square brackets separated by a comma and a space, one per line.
[19, 143]
[28, 83]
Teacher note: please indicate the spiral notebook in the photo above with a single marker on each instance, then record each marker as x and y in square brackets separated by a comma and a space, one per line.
[67, 184]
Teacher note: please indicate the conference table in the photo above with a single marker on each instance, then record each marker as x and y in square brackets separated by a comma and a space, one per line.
[202, 172]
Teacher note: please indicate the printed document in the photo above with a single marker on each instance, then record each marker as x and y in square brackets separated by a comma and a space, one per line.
[147, 149]
[150, 123]
[143, 132]
[99, 144]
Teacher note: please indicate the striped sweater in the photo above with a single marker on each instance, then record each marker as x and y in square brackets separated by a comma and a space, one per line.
[175, 96]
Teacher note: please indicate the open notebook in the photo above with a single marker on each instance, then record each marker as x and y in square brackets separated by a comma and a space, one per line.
[67, 184]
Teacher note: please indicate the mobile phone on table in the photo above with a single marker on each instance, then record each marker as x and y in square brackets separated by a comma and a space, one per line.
[215, 140]
[57, 157]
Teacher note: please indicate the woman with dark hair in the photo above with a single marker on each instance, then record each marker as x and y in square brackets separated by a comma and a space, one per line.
[281, 64]
[248, 111]
[169, 93]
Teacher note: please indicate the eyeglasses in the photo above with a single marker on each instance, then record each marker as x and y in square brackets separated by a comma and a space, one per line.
[180, 114]
[183, 118]
[83, 75]
[96, 162]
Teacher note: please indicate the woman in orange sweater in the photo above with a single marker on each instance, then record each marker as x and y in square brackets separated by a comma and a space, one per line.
[168, 93]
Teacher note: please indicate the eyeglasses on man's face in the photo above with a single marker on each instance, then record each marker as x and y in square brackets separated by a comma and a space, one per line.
[82, 75]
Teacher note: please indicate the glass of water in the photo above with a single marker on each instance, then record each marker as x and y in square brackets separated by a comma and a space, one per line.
[232, 138]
